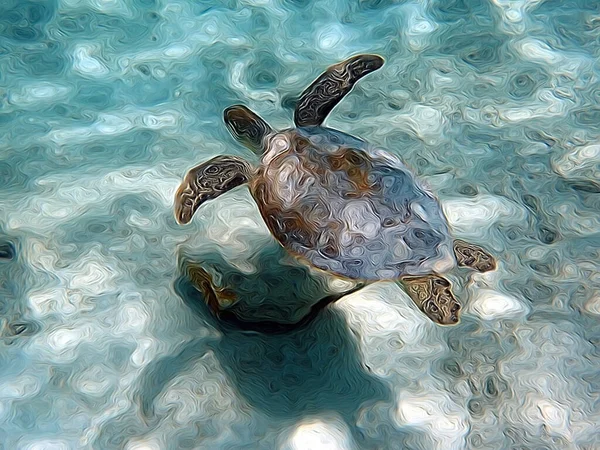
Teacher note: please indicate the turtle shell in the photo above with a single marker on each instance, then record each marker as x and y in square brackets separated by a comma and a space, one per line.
[348, 208]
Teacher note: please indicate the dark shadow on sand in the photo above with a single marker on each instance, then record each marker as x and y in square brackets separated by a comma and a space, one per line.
[285, 371]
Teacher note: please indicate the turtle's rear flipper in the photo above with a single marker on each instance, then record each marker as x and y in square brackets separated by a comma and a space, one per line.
[207, 181]
[317, 101]
[473, 256]
[433, 295]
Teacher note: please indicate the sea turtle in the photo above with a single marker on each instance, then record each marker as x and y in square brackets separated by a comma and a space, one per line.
[338, 203]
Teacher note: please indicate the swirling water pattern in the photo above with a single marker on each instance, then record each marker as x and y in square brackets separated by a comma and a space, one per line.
[105, 104]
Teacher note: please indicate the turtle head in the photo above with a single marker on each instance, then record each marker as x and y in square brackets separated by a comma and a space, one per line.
[247, 127]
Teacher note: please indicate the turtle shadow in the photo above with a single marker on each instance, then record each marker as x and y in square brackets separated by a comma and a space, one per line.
[309, 368]
[284, 371]
[271, 289]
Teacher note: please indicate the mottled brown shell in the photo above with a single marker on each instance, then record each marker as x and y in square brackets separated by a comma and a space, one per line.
[348, 209]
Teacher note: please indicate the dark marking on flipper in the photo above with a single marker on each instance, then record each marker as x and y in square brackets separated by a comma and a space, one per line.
[317, 101]
[473, 256]
[246, 127]
[207, 181]
[433, 295]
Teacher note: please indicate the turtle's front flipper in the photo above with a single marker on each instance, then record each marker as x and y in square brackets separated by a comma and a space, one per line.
[247, 127]
[473, 256]
[326, 91]
[207, 181]
[433, 295]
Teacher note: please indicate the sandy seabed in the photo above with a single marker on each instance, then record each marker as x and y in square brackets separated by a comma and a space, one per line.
[105, 343]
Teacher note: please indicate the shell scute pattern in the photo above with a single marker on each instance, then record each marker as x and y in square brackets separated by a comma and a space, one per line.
[352, 212]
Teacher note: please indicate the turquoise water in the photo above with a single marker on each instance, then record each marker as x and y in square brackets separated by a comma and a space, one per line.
[105, 343]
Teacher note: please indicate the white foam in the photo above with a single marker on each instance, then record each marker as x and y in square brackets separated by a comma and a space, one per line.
[514, 13]
[87, 64]
[593, 304]
[39, 92]
[372, 314]
[548, 105]
[143, 354]
[94, 275]
[112, 124]
[426, 122]
[20, 388]
[330, 37]
[160, 121]
[63, 200]
[49, 301]
[237, 80]
[94, 381]
[483, 210]
[143, 444]
[535, 49]
[434, 414]
[320, 435]
[548, 413]
[177, 51]
[47, 444]
[580, 161]
[64, 338]
[491, 305]
[117, 123]
[418, 27]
